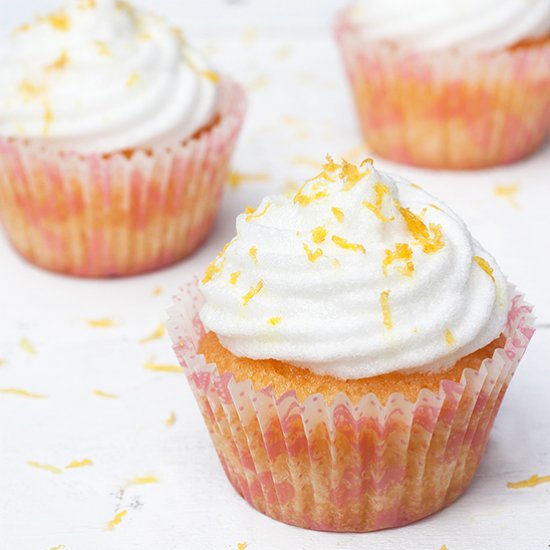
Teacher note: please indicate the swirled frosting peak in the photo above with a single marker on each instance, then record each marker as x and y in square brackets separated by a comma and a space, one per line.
[472, 25]
[358, 273]
[99, 76]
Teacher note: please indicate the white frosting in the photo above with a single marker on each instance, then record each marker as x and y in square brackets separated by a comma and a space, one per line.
[327, 314]
[99, 76]
[473, 25]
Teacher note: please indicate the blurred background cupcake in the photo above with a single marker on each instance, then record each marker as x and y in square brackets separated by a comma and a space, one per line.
[449, 84]
[115, 139]
[349, 350]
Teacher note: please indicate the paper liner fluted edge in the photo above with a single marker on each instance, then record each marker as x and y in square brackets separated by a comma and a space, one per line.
[345, 466]
[122, 214]
[447, 109]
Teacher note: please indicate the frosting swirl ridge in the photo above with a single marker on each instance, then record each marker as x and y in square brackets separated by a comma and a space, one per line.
[357, 274]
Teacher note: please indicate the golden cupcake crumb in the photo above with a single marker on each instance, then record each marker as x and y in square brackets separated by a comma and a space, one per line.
[117, 519]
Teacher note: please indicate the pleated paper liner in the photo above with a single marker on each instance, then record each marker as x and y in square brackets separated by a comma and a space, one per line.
[99, 216]
[344, 466]
[447, 109]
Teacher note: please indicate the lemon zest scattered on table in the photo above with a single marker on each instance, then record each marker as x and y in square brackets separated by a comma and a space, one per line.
[161, 367]
[106, 395]
[117, 519]
[23, 393]
[45, 467]
[508, 192]
[142, 480]
[157, 334]
[171, 420]
[79, 463]
[26, 345]
[533, 481]
[104, 322]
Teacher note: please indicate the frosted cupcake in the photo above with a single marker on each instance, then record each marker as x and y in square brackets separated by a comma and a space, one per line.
[115, 138]
[449, 84]
[349, 350]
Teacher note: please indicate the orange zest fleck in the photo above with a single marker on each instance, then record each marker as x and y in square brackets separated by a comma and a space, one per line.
[253, 252]
[343, 243]
[385, 305]
[533, 481]
[484, 264]
[117, 519]
[449, 338]
[252, 292]
[255, 214]
[274, 320]
[402, 252]
[338, 214]
[312, 255]
[79, 464]
[429, 237]
[45, 467]
[234, 277]
[22, 393]
[318, 234]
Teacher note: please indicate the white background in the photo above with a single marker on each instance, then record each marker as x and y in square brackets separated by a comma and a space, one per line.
[300, 109]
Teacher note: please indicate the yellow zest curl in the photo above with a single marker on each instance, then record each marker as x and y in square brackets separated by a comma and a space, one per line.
[385, 305]
[252, 292]
[343, 243]
[312, 255]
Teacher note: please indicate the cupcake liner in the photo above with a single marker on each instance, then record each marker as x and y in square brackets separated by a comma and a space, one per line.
[447, 109]
[345, 466]
[121, 214]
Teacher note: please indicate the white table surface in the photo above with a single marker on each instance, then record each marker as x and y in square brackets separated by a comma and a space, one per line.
[300, 109]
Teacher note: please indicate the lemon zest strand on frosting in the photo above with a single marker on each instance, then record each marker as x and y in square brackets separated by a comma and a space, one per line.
[133, 79]
[48, 118]
[59, 21]
[236, 178]
[429, 237]
[249, 210]
[252, 292]
[343, 243]
[234, 277]
[213, 268]
[171, 420]
[242, 545]
[103, 48]
[385, 305]
[79, 463]
[351, 175]
[45, 467]
[402, 252]
[312, 255]
[157, 291]
[157, 334]
[449, 338]
[26, 345]
[22, 393]
[318, 234]
[106, 395]
[253, 252]
[274, 320]
[484, 264]
[117, 519]
[338, 214]
[330, 165]
[213, 76]
[60, 62]
[533, 481]
[255, 215]
[381, 190]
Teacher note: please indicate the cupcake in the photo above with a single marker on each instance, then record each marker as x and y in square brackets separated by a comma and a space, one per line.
[448, 84]
[115, 139]
[349, 350]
